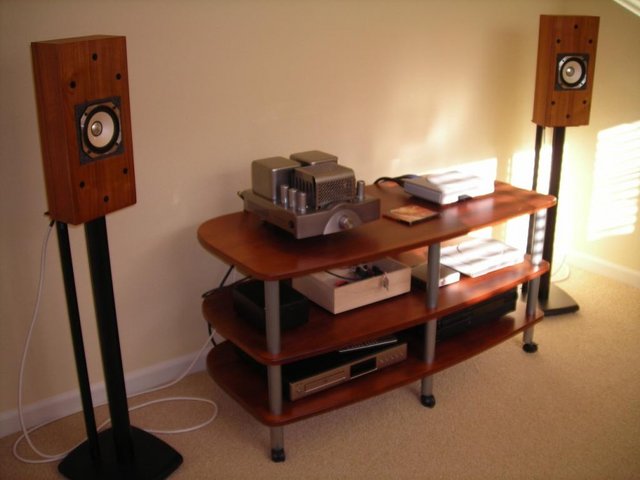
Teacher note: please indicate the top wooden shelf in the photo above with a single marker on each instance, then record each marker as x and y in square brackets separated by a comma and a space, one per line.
[268, 253]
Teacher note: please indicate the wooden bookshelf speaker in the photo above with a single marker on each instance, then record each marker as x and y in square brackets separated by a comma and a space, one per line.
[82, 96]
[564, 75]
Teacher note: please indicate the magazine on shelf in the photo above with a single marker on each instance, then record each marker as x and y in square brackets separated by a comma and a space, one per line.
[480, 256]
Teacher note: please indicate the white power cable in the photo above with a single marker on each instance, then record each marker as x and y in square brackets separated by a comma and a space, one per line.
[46, 458]
[556, 269]
[25, 433]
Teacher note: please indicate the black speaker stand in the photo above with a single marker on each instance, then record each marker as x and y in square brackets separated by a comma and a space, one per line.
[552, 299]
[122, 451]
[557, 302]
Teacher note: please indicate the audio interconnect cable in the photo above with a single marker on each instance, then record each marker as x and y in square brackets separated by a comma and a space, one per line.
[46, 457]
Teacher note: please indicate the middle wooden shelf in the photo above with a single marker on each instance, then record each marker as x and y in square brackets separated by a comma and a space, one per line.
[326, 332]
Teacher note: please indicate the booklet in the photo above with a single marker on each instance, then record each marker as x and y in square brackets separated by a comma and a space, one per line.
[480, 256]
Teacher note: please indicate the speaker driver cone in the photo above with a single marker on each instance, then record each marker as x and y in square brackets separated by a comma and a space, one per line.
[572, 72]
[100, 132]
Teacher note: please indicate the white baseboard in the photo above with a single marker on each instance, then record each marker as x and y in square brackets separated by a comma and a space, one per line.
[68, 403]
[605, 268]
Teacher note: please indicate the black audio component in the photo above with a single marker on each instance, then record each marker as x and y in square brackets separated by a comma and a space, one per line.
[486, 311]
[248, 301]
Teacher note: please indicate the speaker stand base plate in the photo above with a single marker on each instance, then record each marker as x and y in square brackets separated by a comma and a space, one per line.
[152, 459]
[557, 303]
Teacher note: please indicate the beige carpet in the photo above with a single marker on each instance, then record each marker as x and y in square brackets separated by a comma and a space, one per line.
[570, 411]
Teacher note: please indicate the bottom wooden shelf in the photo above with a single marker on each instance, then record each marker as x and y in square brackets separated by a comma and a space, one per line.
[248, 384]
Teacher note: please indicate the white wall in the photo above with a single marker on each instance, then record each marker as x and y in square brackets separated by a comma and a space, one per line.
[390, 87]
[601, 177]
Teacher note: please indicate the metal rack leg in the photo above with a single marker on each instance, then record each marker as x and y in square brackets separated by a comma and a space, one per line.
[426, 388]
[537, 246]
[529, 345]
[433, 278]
[272, 307]
[277, 444]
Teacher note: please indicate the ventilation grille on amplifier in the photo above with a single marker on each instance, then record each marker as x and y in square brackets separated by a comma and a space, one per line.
[325, 183]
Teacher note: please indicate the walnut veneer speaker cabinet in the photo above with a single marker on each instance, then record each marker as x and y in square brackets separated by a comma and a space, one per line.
[82, 95]
[565, 70]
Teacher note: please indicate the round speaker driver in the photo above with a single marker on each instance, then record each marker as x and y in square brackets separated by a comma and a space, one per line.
[573, 72]
[100, 126]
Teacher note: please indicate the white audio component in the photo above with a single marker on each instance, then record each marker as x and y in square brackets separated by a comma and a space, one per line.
[448, 187]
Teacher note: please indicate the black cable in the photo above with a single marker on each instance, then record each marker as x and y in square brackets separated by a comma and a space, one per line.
[210, 329]
[360, 272]
[224, 279]
[342, 277]
[209, 292]
[399, 180]
[226, 275]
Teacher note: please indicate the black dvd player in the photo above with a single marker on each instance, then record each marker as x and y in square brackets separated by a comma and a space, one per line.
[486, 311]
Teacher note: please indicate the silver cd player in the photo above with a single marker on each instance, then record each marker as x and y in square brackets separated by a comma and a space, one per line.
[310, 379]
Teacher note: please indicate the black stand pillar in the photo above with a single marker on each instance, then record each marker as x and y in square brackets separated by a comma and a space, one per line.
[534, 186]
[76, 337]
[552, 299]
[105, 307]
[124, 452]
